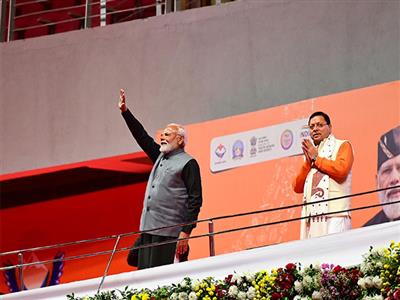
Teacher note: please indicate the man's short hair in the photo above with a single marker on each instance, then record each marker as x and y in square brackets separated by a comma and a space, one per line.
[388, 145]
[320, 113]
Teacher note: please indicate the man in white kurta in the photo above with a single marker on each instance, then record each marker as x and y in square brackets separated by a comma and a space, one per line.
[325, 174]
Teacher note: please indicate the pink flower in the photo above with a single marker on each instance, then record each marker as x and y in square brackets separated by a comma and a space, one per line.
[396, 294]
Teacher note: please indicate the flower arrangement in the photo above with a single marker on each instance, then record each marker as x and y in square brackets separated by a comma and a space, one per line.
[376, 278]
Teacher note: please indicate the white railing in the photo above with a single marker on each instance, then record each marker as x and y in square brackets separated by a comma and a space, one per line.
[104, 8]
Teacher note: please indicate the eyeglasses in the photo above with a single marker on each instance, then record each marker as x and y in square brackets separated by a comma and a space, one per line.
[316, 125]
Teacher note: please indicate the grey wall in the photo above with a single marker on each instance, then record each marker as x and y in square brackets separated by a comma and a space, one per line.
[59, 93]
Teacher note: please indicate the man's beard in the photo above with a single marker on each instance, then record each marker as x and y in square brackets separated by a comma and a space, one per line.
[166, 148]
[392, 211]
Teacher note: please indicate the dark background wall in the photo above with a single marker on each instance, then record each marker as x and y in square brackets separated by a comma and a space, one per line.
[59, 93]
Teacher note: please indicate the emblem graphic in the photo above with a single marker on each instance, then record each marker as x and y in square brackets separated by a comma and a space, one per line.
[237, 149]
[220, 151]
[50, 278]
[286, 139]
[304, 133]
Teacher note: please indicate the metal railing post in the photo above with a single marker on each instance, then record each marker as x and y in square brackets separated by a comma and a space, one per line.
[3, 9]
[168, 6]
[11, 21]
[160, 7]
[103, 13]
[21, 270]
[177, 5]
[211, 237]
[108, 264]
[88, 14]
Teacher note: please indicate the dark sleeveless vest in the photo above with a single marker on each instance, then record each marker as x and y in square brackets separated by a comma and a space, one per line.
[165, 201]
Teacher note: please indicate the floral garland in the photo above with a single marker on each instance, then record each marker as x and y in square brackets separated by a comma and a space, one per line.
[376, 278]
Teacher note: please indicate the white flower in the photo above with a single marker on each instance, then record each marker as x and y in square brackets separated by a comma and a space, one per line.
[250, 276]
[365, 268]
[183, 296]
[368, 282]
[307, 280]
[381, 251]
[361, 283]
[233, 290]
[241, 296]
[297, 297]
[317, 266]
[237, 278]
[377, 282]
[378, 251]
[251, 293]
[373, 252]
[375, 297]
[316, 295]
[195, 283]
[174, 296]
[183, 283]
[298, 286]
[192, 296]
[379, 265]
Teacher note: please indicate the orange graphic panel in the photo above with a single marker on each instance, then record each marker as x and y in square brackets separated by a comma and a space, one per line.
[360, 116]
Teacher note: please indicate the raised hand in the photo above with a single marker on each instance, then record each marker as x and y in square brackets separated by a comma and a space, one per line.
[122, 101]
[309, 150]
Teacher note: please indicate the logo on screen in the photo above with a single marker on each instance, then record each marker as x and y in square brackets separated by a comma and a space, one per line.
[304, 133]
[287, 139]
[237, 149]
[220, 151]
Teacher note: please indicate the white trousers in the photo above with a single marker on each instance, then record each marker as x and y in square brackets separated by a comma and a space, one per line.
[338, 224]
[327, 225]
